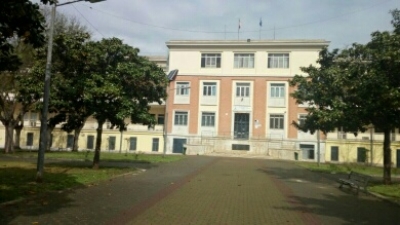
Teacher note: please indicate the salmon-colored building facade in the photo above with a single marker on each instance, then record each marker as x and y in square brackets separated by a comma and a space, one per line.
[234, 97]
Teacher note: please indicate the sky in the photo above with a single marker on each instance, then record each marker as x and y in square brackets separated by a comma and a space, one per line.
[148, 24]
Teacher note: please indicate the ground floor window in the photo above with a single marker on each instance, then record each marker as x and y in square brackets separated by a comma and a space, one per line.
[90, 142]
[132, 143]
[154, 146]
[178, 145]
[111, 143]
[361, 155]
[334, 153]
[307, 151]
[276, 121]
[70, 141]
[29, 139]
[207, 119]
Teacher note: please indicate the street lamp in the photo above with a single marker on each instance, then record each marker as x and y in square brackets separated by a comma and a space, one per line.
[171, 76]
[46, 92]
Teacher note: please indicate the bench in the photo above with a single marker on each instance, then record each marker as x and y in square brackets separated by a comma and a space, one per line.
[355, 180]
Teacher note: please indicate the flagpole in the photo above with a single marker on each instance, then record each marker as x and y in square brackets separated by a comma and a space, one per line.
[238, 29]
[260, 27]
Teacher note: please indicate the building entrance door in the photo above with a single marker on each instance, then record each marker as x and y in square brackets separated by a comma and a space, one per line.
[241, 126]
[177, 146]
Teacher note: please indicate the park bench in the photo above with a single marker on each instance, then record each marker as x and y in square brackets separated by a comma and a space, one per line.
[355, 180]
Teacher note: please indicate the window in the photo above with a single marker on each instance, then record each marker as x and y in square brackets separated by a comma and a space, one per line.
[132, 143]
[181, 118]
[111, 143]
[240, 147]
[361, 155]
[207, 119]
[334, 153]
[244, 61]
[29, 139]
[242, 90]
[276, 121]
[90, 142]
[210, 60]
[160, 119]
[277, 91]
[155, 144]
[209, 89]
[278, 60]
[341, 133]
[70, 141]
[182, 88]
[307, 151]
[302, 120]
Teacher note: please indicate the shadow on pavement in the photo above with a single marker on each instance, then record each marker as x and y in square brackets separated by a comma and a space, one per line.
[318, 194]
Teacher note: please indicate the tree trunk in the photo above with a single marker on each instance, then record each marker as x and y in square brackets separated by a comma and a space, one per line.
[99, 130]
[387, 158]
[77, 131]
[9, 144]
[49, 139]
[17, 140]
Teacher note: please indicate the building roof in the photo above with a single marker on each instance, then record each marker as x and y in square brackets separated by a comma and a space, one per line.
[247, 43]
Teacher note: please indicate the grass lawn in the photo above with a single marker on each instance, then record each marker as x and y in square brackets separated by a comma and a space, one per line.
[18, 176]
[392, 191]
[104, 156]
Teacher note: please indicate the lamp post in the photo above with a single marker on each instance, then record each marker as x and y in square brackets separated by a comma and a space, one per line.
[46, 92]
[170, 77]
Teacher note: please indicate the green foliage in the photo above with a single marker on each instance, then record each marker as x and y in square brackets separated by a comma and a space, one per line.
[19, 19]
[355, 88]
[17, 178]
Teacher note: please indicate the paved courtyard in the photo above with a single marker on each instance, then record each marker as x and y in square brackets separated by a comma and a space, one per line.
[209, 190]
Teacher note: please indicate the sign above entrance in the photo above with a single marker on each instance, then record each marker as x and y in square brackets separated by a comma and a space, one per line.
[241, 108]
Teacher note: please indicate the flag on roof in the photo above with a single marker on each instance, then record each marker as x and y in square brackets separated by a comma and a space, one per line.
[260, 22]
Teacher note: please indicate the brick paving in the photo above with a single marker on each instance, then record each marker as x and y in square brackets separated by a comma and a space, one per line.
[209, 190]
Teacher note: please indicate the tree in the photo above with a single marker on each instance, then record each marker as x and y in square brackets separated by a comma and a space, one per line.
[356, 88]
[69, 76]
[122, 86]
[21, 19]
[15, 95]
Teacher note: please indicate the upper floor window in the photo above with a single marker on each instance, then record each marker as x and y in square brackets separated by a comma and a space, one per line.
[207, 119]
[277, 91]
[210, 60]
[160, 119]
[302, 119]
[278, 60]
[242, 89]
[276, 121]
[31, 116]
[181, 118]
[182, 88]
[244, 61]
[209, 89]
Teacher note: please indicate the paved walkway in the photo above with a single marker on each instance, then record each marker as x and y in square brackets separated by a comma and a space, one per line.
[209, 190]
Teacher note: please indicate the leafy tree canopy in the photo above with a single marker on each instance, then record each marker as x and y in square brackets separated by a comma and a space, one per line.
[21, 19]
[358, 87]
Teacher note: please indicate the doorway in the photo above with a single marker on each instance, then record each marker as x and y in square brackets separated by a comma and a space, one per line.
[241, 126]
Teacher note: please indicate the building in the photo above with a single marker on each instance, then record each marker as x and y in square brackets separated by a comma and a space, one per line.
[137, 138]
[234, 97]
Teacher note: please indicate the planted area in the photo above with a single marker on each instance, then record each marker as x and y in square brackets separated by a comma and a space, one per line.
[391, 191]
